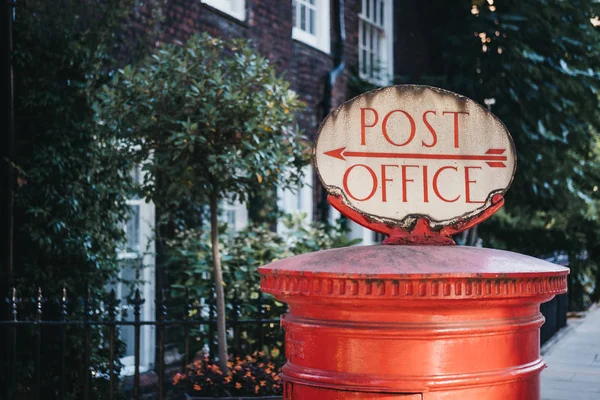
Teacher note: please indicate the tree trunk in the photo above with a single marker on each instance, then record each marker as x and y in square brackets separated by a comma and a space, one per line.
[218, 275]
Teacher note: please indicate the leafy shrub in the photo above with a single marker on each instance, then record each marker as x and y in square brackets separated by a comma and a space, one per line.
[190, 267]
[73, 183]
[252, 375]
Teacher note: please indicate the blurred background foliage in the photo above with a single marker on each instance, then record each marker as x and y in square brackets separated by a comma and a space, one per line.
[536, 65]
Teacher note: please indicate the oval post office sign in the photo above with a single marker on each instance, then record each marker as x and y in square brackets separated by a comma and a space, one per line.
[414, 162]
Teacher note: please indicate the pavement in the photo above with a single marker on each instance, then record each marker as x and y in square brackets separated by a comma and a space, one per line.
[573, 359]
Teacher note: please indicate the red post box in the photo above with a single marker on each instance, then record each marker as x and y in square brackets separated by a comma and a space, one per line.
[414, 322]
[416, 317]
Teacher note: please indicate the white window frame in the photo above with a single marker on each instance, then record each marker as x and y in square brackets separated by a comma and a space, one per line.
[235, 8]
[235, 214]
[386, 48]
[299, 200]
[321, 39]
[147, 275]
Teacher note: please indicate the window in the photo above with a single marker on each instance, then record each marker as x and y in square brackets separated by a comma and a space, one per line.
[132, 229]
[375, 47]
[235, 8]
[137, 265]
[235, 214]
[299, 200]
[311, 23]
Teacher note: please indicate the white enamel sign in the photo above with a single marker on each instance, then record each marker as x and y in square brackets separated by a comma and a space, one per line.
[403, 152]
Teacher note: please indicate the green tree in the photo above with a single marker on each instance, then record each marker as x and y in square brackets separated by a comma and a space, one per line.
[70, 204]
[540, 63]
[218, 124]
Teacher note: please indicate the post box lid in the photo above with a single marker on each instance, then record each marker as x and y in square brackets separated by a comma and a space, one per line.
[497, 271]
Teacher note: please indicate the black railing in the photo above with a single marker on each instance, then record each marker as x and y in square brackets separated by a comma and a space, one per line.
[37, 365]
[40, 344]
[555, 313]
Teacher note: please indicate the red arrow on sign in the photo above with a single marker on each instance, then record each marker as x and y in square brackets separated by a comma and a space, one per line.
[492, 157]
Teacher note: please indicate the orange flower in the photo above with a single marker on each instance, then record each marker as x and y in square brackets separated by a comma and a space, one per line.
[177, 378]
[263, 383]
[238, 385]
[248, 374]
[197, 388]
[256, 389]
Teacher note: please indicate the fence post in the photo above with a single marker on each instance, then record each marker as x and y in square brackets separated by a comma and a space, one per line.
[236, 326]
[211, 330]
[137, 303]
[186, 327]
[162, 315]
[38, 342]
[261, 317]
[12, 343]
[63, 318]
[112, 316]
[86, 360]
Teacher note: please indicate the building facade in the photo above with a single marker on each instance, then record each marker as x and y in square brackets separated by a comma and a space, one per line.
[321, 47]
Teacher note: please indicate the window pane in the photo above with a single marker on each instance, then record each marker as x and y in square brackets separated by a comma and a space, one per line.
[303, 17]
[371, 65]
[368, 10]
[374, 9]
[312, 2]
[133, 229]
[231, 219]
[377, 53]
[294, 13]
[381, 20]
[299, 198]
[311, 13]
[364, 33]
[364, 65]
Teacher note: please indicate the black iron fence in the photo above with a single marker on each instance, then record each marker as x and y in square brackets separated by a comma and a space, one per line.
[555, 312]
[76, 351]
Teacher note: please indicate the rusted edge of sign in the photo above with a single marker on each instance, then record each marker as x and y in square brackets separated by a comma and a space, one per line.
[415, 228]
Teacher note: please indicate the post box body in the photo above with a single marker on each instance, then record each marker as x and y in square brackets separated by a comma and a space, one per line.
[413, 322]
